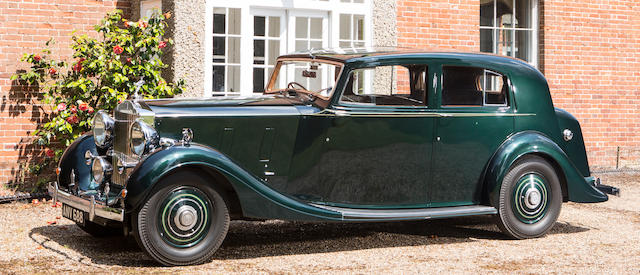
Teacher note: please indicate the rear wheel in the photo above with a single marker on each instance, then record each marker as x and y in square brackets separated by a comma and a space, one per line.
[530, 199]
[184, 222]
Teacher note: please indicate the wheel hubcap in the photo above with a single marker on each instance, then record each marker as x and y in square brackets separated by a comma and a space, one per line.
[184, 217]
[530, 198]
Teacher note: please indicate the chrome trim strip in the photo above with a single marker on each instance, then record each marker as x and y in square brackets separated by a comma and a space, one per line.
[329, 112]
[410, 214]
[90, 206]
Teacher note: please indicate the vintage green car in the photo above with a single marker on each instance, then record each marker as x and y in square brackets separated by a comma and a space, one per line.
[338, 135]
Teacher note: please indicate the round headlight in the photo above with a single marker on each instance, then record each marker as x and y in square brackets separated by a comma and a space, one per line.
[103, 129]
[143, 138]
[101, 169]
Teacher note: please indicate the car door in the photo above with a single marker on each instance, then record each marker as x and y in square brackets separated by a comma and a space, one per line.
[378, 144]
[476, 118]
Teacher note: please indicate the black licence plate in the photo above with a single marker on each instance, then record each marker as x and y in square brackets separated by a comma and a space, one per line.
[76, 215]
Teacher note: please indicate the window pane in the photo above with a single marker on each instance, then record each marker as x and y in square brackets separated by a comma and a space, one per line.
[345, 26]
[234, 79]
[504, 42]
[258, 25]
[358, 27]
[234, 50]
[258, 48]
[523, 45]
[301, 45]
[462, 86]
[358, 1]
[218, 78]
[387, 85]
[274, 26]
[486, 13]
[523, 14]
[316, 28]
[494, 89]
[258, 80]
[316, 45]
[234, 21]
[486, 40]
[218, 46]
[218, 22]
[506, 20]
[302, 27]
[345, 44]
[274, 51]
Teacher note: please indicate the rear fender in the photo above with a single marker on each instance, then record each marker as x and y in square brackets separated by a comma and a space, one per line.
[256, 199]
[530, 142]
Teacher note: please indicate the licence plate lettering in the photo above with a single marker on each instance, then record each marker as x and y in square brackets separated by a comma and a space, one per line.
[73, 214]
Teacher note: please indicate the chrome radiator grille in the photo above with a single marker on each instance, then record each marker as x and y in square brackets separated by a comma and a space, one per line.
[124, 117]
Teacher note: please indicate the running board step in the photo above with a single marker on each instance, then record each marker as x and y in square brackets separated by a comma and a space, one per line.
[410, 214]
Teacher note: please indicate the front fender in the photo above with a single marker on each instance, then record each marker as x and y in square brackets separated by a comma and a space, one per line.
[530, 142]
[73, 159]
[256, 199]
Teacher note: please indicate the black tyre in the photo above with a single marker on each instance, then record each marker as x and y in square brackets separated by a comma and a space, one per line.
[183, 222]
[100, 231]
[530, 199]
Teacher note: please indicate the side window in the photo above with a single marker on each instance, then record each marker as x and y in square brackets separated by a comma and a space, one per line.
[472, 86]
[387, 85]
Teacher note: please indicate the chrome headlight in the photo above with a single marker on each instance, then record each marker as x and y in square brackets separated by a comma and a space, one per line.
[101, 169]
[103, 129]
[143, 138]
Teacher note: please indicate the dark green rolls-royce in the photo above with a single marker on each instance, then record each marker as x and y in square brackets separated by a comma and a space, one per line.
[338, 135]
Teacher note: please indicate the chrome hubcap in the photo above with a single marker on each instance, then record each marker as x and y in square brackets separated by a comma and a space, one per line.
[530, 198]
[185, 217]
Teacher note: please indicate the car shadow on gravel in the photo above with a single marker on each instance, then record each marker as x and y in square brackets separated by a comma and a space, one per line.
[252, 239]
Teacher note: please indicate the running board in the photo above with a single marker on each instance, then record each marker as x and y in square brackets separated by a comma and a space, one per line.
[410, 214]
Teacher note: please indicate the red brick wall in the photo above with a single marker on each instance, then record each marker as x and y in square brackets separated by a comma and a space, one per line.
[439, 24]
[589, 52]
[24, 27]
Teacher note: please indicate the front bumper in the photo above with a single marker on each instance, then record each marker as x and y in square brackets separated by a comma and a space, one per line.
[89, 204]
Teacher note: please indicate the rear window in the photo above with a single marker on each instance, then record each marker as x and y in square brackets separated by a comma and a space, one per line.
[473, 86]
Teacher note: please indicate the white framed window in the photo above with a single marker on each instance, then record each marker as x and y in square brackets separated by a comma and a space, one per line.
[247, 36]
[510, 27]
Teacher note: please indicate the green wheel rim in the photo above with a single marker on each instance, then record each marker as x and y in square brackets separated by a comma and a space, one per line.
[530, 198]
[184, 217]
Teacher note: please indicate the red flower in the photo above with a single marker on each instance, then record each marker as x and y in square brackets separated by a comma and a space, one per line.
[62, 107]
[77, 67]
[90, 110]
[162, 44]
[49, 153]
[73, 109]
[37, 58]
[167, 15]
[52, 71]
[117, 49]
[142, 24]
[72, 119]
[129, 59]
[83, 106]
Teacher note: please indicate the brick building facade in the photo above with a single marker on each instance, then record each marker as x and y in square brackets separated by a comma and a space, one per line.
[588, 50]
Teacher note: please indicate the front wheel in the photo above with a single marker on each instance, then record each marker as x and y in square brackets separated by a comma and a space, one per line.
[530, 199]
[184, 222]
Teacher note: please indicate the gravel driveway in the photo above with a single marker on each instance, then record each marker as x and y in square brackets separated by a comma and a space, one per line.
[588, 238]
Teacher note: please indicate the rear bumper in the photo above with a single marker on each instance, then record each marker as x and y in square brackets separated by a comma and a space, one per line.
[607, 189]
[89, 204]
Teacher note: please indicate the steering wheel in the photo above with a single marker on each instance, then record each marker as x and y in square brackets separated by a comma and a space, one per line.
[293, 83]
